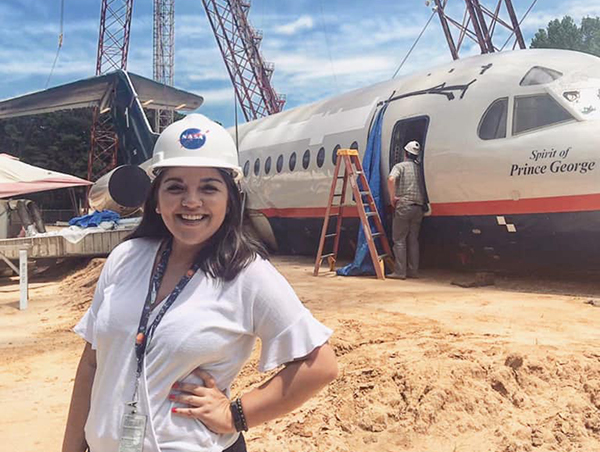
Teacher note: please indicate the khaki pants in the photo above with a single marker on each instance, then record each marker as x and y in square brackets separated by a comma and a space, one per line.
[405, 233]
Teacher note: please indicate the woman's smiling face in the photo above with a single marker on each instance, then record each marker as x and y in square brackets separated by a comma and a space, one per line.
[192, 203]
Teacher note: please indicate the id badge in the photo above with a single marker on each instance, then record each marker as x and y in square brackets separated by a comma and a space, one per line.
[133, 430]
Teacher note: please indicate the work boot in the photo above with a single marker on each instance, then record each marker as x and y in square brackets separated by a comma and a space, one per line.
[395, 276]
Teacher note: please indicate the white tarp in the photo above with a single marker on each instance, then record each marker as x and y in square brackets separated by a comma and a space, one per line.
[18, 178]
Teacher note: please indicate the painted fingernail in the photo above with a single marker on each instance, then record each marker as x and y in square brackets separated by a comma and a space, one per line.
[175, 385]
[173, 410]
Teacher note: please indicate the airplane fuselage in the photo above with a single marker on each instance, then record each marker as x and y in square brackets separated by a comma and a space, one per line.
[511, 158]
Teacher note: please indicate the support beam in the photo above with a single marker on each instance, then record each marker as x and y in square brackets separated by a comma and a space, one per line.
[24, 289]
[9, 263]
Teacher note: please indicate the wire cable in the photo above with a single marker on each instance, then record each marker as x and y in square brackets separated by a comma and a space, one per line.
[414, 44]
[60, 41]
[328, 45]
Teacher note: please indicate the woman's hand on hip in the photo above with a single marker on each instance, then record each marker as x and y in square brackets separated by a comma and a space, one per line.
[206, 403]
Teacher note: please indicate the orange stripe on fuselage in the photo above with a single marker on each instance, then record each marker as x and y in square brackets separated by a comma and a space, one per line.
[556, 204]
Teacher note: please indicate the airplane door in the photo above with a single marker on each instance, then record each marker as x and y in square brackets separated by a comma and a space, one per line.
[404, 131]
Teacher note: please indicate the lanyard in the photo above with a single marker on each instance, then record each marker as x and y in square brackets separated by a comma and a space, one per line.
[145, 332]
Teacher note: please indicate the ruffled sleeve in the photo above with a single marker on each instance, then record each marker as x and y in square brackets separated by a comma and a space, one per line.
[287, 329]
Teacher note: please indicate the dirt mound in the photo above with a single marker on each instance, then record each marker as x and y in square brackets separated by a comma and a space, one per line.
[78, 287]
[424, 366]
[415, 389]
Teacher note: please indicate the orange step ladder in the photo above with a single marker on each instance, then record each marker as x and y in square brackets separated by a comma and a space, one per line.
[367, 210]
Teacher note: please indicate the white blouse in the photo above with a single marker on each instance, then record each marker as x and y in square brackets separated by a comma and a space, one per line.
[212, 325]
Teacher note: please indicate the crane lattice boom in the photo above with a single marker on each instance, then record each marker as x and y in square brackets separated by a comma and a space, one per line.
[239, 44]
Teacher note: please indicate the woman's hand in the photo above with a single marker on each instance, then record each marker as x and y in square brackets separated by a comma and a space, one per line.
[206, 403]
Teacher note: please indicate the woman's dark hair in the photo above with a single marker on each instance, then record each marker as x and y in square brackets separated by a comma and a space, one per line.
[231, 249]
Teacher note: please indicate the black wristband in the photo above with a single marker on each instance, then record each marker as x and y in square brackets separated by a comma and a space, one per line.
[239, 420]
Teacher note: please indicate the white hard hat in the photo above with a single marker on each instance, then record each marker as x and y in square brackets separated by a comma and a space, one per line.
[195, 141]
[413, 147]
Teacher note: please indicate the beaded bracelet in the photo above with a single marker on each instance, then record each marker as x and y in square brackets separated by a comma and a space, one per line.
[239, 420]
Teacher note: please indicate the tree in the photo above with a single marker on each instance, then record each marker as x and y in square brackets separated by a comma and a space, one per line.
[565, 34]
[56, 141]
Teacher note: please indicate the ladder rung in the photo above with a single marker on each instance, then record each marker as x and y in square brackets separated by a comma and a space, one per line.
[371, 214]
[340, 177]
[330, 235]
[376, 234]
[363, 193]
[327, 255]
[337, 194]
[382, 256]
[359, 172]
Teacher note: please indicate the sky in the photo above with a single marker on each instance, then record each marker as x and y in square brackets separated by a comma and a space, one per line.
[320, 48]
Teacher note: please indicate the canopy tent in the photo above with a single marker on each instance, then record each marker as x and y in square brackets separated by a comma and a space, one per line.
[124, 94]
[18, 178]
[97, 92]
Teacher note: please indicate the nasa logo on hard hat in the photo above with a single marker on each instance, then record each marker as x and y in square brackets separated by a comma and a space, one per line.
[192, 138]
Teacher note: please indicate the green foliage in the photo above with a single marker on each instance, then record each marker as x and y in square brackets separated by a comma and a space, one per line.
[565, 34]
[57, 141]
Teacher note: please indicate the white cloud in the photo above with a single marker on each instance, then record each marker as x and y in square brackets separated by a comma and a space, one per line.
[577, 10]
[302, 23]
[216, 97]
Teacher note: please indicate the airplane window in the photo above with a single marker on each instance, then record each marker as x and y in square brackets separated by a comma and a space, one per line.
[279, 163]
[493, 122]
[334, 154]
[256, 167]
[268, 165]
[292, 161]
[306, 159]
[532, 112]
[354, 145]
[321, 157]
[539, 75]
[246, 168]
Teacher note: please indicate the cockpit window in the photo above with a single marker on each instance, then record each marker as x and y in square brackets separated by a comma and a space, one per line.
[539, 75]
[493, 121]
[533, 112]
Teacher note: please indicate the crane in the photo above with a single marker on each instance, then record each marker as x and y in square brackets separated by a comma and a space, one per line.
[479, 24]
[239, 44]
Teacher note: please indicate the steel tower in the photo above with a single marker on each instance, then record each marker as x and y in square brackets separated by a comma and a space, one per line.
[479, 24]
[113, 45]
[239, 44]
[164, 54]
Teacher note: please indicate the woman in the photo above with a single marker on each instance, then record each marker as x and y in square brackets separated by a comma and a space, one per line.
[176, 312]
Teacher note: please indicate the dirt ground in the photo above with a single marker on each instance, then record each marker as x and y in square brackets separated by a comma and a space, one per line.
[424, 365]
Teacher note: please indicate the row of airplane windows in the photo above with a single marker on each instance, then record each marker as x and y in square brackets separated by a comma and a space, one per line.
[320, 160]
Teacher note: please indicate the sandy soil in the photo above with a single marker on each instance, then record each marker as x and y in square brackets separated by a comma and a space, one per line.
[424, 365]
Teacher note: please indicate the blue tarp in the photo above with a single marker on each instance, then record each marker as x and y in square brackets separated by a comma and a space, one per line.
[94, 219]
[362, 264]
